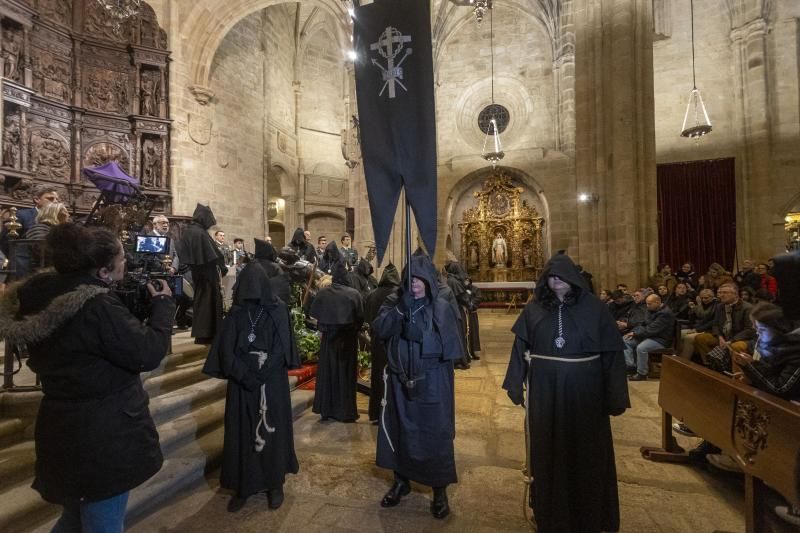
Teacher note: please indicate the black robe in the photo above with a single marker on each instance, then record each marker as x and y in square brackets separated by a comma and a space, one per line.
[244, 469]
[390, 281]
[417, 424]
[574, 486]
[197, 249]
[303, 248]
[339, 312]
[361, 278]
[267, 257]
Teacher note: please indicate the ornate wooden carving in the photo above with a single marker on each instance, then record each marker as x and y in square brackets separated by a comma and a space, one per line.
[751, 430]
[502, 226]
[79, 90]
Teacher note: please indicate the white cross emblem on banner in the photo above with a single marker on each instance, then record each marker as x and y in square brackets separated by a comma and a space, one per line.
[389, 45]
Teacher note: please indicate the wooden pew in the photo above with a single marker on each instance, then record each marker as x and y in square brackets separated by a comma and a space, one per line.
[759, 430]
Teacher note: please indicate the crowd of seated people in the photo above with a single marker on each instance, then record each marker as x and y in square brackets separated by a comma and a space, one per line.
[728, 322]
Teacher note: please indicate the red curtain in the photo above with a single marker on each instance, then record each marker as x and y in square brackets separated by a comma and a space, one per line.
[697, 213]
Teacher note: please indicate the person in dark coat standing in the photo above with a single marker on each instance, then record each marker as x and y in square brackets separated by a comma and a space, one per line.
[267, 258]
[95, 439]
[462, 289]
[330, 257]
[568, 354]
[339, 311]
[254, 351]
[390, 281]
[199, 251]
[417, 423]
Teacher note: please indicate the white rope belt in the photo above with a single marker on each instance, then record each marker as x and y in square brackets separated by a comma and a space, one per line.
[262, 407]
[529, 356]
[383, 405]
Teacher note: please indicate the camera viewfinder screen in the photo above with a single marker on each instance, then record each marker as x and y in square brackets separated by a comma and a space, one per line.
[152, 245]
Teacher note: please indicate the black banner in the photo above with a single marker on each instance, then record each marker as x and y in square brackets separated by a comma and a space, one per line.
[397, 113]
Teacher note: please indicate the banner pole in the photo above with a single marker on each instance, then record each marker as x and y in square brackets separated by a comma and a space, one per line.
[408, 240]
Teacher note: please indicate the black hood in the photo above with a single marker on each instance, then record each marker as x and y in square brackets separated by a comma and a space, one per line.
[561, 265]
[265, 250]
[339, 274]
[364, 268]
[299, 237]
[204, 216]
[390, 277]
[332, 253]
[253, 287]
[422, 267]
[454, 268]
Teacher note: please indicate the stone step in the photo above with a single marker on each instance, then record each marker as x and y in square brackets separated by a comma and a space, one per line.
[12, 431]
[183, 468]
[173, 379]
[16, 463]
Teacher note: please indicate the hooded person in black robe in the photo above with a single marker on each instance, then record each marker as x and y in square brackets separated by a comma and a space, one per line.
[361, 278]
[459, 284]
[330, 257]
[339, 311]
[303, 248]
[267, 258]
[568, 354]
[417, 422]
[390, 282]
[254, 351]
[198, 250]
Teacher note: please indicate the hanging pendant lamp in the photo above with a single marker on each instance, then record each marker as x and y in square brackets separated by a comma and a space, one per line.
[695, 122]
[494, 153]
[480, 9]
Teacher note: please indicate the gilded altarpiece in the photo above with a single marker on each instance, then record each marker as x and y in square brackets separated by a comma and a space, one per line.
[502, 236]
[78, 90]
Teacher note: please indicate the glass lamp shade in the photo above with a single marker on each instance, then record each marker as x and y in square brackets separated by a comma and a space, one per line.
[494, 153]
[695, 122]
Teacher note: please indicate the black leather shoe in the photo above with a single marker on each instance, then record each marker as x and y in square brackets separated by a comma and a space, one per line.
[476, 356]
[639, 377]
[235, 504]
[275, 497]
[398, 490]
[439, 506]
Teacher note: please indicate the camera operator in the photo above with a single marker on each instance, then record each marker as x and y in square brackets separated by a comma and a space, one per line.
[95, 438]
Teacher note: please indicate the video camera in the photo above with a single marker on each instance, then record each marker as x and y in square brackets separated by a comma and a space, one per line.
[145, 264]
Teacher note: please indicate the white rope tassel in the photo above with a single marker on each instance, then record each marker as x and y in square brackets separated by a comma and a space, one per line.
[383, 411]
[262, 407]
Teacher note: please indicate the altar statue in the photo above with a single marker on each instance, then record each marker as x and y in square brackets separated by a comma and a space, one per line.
[499, 250]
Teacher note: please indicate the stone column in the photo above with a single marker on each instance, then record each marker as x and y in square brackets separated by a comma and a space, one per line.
[300, 218]
[23, 139]
[26, 65]
[564, 81]
[615, 140]
[754, 188]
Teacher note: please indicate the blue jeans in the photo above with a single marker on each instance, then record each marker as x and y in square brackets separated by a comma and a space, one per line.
[105, 516]
[642, 361]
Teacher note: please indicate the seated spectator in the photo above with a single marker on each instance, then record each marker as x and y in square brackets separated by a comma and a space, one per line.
[763, 295]
[731, 328]
[701, 318]
[716, 277]
[620, 305]
[663, 291]
[747, 294]
[605, 297]
[637, 312]
[775, 365]
[655, 333]
[701, 284]
[747, 277]
[766, 281]
[687, 275]
[678, 302]
[663, 277]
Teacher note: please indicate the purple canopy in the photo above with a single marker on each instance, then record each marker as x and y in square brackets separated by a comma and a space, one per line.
[109, 178]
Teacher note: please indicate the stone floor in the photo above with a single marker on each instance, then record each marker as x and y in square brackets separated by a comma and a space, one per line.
[339, 486]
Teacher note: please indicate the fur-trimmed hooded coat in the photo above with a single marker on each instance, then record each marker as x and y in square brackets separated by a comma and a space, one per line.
[94, 434]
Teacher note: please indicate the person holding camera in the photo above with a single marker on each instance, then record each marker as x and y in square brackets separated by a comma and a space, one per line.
[95, 438]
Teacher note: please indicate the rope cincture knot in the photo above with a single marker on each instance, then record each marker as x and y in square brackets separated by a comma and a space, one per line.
[262, 407]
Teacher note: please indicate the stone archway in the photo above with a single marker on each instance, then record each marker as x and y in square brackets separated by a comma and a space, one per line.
[460, 198]
[209, 21]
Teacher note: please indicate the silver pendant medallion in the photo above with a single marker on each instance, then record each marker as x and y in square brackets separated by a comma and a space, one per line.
[251, 337]
[560, 342]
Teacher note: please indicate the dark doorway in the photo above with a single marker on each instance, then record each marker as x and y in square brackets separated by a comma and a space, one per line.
[697, 213]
